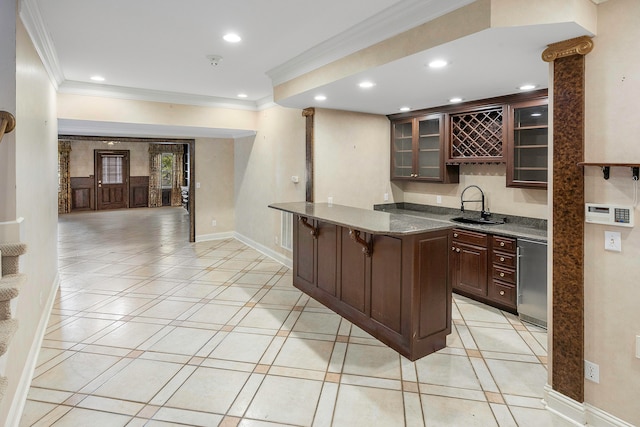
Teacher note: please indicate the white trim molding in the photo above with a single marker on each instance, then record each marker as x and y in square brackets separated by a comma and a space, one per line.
[580, 414]
[287, 262]
[215, 236]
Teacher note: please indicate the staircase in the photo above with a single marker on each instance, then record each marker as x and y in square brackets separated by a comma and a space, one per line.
[10, 282]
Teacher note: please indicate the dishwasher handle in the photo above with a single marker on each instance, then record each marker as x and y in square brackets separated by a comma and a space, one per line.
[518, 272]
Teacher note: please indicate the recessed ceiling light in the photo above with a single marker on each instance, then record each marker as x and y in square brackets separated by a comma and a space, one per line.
[456, 99]
[232, 38]
[438, 63]
[527, 87]
[405, 108]
[320, 98]
[367, 85]
[242, 95]
[97, 78]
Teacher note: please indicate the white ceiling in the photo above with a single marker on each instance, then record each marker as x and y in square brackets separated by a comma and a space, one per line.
[157, 50]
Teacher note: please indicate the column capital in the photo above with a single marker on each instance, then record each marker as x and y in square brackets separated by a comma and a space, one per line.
[577, 46]
[308, 112]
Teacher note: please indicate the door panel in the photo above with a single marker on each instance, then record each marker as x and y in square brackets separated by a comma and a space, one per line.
[112, 179]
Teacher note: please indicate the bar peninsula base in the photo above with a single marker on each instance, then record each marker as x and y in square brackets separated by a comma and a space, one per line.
[389, 279]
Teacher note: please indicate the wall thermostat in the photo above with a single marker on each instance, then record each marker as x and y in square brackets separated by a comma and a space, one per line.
[608, 214]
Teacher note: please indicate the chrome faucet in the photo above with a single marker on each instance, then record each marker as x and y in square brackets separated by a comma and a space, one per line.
[484, 214]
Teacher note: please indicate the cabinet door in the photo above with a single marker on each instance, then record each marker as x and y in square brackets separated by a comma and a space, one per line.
[327, 265]
[304, 252]
[471, 264]
[402, 152]
[386, 282]
[527, 144]
[353, 277]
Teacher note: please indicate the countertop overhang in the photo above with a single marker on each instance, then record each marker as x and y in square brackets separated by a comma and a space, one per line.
[402, 222]
[369, 221]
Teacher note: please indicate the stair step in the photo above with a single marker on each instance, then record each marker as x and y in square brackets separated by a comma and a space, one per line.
[9, 253]
[7, 329]
[10, 285]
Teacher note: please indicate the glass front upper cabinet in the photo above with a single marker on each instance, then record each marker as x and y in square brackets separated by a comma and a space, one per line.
[417, 150]
[528, 142]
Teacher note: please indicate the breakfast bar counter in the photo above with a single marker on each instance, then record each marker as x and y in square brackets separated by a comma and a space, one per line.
[384, 272]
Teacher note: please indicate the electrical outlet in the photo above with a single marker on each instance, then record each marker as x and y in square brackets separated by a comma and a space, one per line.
[439, 200]
[638, 346]
[214, 222]
[592, 371]
[330, 200]
[276, 240]
[386, 197]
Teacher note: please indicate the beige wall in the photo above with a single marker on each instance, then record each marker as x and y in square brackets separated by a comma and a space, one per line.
[612, 293]
[492, 179]
[82, 157]
[352, 158]
[214, 198]
[36, 151]
[80, 107]
[264, 165]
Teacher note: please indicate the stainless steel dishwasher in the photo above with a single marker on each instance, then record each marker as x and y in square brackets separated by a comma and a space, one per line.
[532, 281]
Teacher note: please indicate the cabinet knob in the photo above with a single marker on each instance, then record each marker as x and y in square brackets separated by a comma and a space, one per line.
[502, 293]
[501, 258]
[501, 243]
[453, 248]
[455, 234]
[458, 250]
[501, 274]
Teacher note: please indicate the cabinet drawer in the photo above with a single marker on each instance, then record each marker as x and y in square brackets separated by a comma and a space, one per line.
[503, 244]
[503, 293]
[504, 260]
[471, 237]
[504, 274]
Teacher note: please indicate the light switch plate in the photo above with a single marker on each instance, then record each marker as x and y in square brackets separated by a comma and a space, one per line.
[612, 241]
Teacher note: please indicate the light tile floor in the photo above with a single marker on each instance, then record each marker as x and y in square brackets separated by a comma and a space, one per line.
[150, 330]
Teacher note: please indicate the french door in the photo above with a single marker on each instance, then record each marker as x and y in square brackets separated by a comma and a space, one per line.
[112, 179]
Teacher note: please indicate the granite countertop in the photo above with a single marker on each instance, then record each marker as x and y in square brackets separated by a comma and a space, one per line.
[515, 226]
[407, 218]
[369, 221]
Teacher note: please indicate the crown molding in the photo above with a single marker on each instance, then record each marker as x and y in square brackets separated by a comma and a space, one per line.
[121, 92]
[392, 21]
[34, 24]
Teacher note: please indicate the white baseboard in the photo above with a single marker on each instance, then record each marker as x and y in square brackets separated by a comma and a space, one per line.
[580, 414]
[20, 397]
[287, 262]
[215, 236]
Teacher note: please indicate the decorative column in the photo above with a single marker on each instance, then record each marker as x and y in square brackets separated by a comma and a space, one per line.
[308, 113]
[567, 375]
[64, 177]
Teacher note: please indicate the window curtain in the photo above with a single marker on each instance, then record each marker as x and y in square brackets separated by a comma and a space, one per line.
[64, 177]
[155, 170]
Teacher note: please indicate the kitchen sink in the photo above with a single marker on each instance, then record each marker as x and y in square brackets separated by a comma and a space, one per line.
[479, 221]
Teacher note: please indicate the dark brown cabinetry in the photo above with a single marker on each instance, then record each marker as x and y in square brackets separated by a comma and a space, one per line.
[483, 267]
[527, 144]
[394, 287]
[477, 136]
[417, 150]
[509, 129]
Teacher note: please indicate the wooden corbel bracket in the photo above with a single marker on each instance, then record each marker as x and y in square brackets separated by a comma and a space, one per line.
[7, 123]
[367, 247]
[313, 230]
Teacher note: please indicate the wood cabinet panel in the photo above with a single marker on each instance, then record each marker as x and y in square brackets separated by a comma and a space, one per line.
[386, 282]
[303, 266]
[352, 272]
[434, 285]
[327, 268]
[139, 192]
[82, 195]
